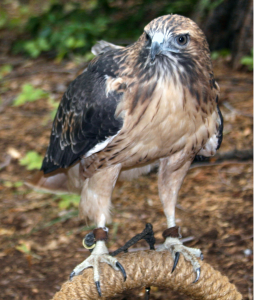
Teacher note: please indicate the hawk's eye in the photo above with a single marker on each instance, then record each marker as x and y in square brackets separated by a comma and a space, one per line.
[182, 39]
[148, 38]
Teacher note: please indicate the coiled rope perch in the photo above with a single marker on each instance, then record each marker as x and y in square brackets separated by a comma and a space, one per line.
[150, 268]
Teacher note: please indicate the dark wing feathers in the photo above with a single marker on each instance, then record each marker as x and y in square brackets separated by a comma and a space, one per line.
[220, 129]
[85, 116]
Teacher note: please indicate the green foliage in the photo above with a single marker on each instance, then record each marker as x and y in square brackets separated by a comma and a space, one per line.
[10, 184]
[75, 27]
[68, 200]
[221, 53]
[18, 16]
[62, 31]
[181, 7]
[35, 47]
[5, 70]
[3, 19]
[208, 5]
[248, 60]
[24, 248]
[32, 160]
[29, 94]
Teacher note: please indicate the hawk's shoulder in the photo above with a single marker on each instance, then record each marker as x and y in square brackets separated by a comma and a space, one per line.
[86, 114]
[104, 46]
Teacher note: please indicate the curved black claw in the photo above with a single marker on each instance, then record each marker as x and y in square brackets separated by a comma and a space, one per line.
[121, 268]
[98, 286]
[72, 275]
[198, 271]
[177, 255]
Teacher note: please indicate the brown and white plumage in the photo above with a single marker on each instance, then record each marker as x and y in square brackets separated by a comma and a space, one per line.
[153, 100]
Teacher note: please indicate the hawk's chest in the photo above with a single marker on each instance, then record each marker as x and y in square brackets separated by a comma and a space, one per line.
[167, 114]
[160, 123]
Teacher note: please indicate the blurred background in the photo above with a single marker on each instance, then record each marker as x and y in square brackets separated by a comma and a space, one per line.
[43, 47]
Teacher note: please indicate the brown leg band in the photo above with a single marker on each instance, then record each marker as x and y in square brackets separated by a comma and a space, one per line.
[173, 232]
[101, 234]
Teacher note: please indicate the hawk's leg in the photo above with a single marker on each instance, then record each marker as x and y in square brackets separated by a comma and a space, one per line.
[95, 204]
[99, 254]
[170, 181]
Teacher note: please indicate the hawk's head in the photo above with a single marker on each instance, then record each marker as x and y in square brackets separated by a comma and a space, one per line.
[173, 46]
[174, 36]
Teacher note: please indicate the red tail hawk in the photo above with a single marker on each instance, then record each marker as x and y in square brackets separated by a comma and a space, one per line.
[153, 100]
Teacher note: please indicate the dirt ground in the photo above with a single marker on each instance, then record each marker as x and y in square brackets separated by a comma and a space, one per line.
[40, 243]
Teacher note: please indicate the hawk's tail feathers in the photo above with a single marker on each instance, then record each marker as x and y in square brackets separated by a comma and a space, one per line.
[51, 183]
[60, 181]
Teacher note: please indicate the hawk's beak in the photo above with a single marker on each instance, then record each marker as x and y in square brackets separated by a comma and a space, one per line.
[156, 46]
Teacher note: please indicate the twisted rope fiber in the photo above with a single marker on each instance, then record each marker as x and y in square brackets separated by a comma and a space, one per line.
[150, 268]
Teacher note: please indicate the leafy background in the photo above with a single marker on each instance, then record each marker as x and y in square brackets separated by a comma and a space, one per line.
[73, 27]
